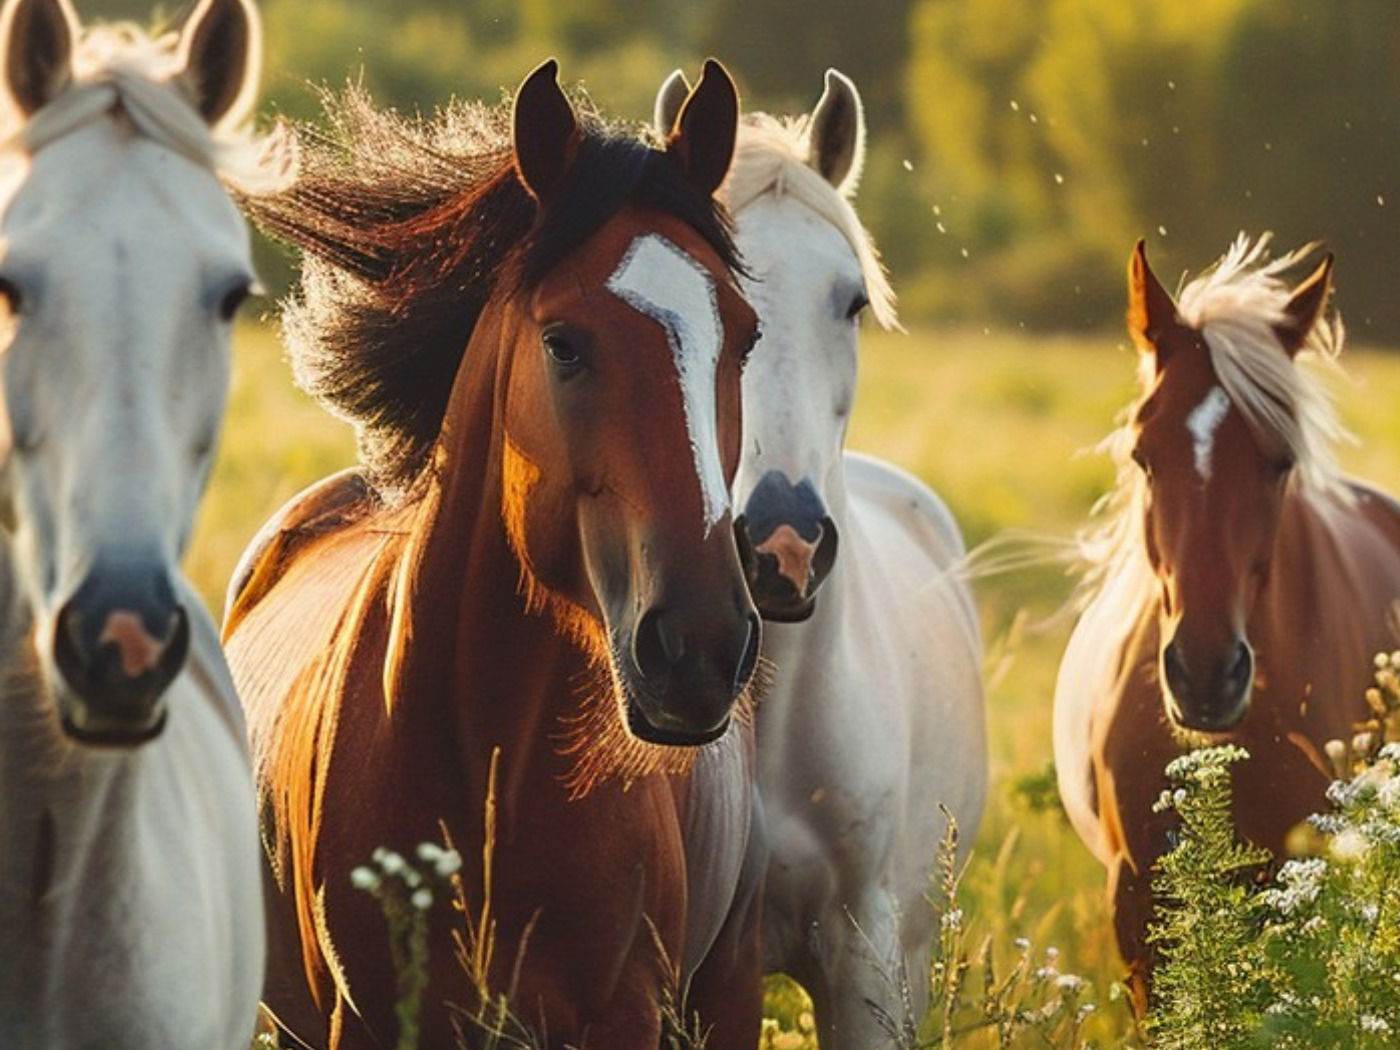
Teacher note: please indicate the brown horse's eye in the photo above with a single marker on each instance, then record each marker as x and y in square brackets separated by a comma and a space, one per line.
[1140, 460]
[564, 348]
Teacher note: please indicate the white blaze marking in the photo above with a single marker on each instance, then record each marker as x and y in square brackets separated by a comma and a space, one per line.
[659, 280]
[1203, 422]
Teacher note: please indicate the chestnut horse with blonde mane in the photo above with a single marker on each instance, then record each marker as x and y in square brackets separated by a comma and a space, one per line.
[1240, 586]
[536, 326]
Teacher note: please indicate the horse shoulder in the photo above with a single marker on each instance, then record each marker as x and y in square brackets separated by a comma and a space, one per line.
[326, 506]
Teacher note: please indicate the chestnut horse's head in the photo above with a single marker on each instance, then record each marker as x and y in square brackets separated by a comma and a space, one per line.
[620, 429]
[1225, 433]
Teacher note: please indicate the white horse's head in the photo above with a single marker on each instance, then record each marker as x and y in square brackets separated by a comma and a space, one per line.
[122, 263]
[813, 273]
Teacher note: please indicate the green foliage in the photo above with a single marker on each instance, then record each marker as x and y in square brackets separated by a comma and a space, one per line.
[1210, 988]
[1311, 960]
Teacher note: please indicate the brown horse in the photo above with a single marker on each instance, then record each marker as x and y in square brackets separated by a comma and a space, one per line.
[535, 325]
[1241, 584]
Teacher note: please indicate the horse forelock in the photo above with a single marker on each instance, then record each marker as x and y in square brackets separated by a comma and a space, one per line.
[410, 226]
[1237, 306]
[770, 158]
[121, 72]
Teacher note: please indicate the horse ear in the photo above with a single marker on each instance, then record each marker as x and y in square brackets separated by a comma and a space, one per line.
[1305, 307]
[669, 100]
[1150, 309]
[702, 139]
[36, 45]
[221, 52]
[837, 138]
[545, 131]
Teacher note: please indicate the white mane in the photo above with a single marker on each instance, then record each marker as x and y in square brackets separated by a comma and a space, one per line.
[123, 71]
[1236, 305]
[770, 156]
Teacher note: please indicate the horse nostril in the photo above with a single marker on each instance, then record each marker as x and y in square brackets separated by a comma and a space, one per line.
[749, 660]
[656, 646]
[1175, 669]
[1240, 673]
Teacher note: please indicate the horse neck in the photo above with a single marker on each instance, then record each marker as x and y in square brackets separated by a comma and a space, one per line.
[495, 656]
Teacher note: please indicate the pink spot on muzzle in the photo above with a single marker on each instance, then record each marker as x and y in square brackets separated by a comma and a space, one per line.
[139, 651]
[794, 555]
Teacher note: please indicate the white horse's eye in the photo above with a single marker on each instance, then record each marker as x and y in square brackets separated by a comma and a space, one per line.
[859, 303]
[10, 293]
[234, 298]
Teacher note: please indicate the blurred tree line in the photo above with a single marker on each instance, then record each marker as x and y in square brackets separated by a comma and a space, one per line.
[1018, 147]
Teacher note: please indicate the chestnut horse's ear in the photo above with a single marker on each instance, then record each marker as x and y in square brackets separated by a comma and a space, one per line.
[1305, 308]
[221, 52]
[1151, 310]
[836, 146]
[702, 139]
[675, 89]
[36, 45]
[545, 132]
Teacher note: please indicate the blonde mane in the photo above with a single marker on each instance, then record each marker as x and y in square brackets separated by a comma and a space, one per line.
[770, 157]
[121, 71]
[1236, 305]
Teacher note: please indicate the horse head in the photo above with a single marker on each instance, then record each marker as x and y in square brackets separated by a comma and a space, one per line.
[1218, 443]
[621, 417]
[123, 265]
[811, 267]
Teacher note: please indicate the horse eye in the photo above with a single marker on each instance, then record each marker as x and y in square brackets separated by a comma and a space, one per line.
[234, 298]
[9, 291]
[750, 343]
[562, 348]
[859, 303]
[1140, 459]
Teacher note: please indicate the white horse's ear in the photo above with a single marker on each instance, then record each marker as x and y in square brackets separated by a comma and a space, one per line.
[221, 59]
[836, 141]
[36, 45]
[675, 89]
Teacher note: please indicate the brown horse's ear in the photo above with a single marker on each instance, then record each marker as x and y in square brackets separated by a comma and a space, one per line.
[702, 139]
[221, 52]
[545, 132]
[837, 140]
[674, 90]
[36, 45]
[1150, 309]
[1305, 307]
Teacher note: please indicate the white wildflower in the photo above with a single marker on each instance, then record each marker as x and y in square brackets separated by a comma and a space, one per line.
[422, 899]
[448, 862]
[362, 878]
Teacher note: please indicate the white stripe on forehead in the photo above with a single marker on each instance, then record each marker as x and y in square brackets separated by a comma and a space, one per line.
[1203, 422]
[659, 280]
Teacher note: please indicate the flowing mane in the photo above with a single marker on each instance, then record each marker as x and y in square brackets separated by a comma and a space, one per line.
[409, 226]
[122, 71]
[770, 157]
[1235, 305]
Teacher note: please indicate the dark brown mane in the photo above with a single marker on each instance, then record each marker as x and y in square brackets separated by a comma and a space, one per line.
[408, 226]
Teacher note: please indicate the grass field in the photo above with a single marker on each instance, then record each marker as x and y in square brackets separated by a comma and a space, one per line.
[999, 423]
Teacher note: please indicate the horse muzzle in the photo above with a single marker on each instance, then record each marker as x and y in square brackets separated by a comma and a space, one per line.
[787, 544]
[1208, 696]
[683, 676]
[118, 643]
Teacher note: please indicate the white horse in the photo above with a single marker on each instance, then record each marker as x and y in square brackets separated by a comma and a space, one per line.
[130, 901]
[876, 713]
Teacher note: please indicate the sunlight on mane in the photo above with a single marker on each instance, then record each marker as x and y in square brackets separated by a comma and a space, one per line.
[770, 156]
[121, 69]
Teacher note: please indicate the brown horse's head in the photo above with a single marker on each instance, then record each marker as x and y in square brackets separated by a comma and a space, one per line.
[1218, 440]
[621, 417]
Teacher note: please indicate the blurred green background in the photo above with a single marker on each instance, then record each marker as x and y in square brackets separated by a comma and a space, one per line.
[1018, 147]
